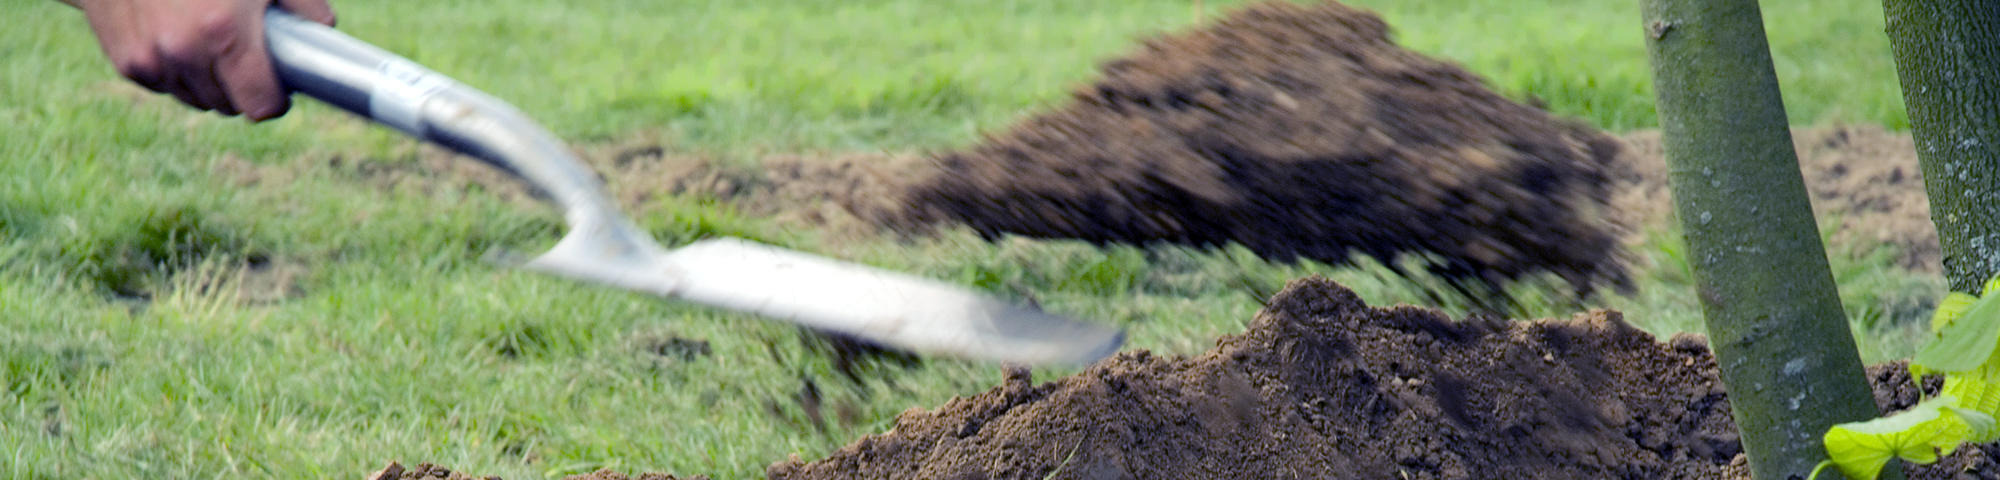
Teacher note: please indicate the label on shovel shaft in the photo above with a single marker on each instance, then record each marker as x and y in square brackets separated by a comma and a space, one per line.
[397, 100]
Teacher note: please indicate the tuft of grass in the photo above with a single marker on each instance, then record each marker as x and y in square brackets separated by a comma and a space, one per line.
[1888, 308]
[162, 241]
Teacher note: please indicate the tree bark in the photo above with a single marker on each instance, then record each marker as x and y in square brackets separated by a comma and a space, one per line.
[1948, 57]
[1773, 314]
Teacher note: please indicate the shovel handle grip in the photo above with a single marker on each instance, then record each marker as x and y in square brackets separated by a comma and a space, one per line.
[345, 72]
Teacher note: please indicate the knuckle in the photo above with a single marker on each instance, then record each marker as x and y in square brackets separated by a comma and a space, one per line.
[199, 40]
[215, 24]
[179, 48]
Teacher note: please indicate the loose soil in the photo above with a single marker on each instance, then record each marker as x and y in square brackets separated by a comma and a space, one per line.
[1864, 182]
[1323, 386]
[1297, 132]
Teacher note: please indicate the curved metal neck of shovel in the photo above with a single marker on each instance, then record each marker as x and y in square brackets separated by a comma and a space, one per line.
[360, 78]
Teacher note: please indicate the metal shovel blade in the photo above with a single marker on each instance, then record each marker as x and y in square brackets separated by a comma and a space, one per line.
[604, 247]
[893, 308]
[889, 308]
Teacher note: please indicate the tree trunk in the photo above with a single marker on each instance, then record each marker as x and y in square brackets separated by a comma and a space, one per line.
[1948, 56]
[1773, 315]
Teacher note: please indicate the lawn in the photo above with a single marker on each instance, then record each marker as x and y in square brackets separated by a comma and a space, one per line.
[137, 340]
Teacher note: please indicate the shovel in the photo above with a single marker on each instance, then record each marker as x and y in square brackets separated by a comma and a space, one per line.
[604, 247]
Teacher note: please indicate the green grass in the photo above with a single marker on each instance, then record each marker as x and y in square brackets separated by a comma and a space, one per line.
[404, 345]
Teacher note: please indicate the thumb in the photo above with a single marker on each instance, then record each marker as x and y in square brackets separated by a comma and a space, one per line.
[314, 10]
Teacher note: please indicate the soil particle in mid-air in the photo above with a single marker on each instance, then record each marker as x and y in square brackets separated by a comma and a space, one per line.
[1324, 386]
[1295, 131]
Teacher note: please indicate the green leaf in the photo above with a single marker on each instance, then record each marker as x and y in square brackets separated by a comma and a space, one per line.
[1967, 330]
[1978, 389]
[1861, 449]
[1980, 425]
[1951, 308]
[1966, 342]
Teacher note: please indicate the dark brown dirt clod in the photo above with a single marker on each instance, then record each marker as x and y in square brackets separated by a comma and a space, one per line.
[423, 471]
[607, 474]
[1323, 386]
[1296, 131]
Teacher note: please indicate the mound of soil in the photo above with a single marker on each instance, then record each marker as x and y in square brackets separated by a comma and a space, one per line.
[1296, 131]
[1323, 386]
[1864, 180]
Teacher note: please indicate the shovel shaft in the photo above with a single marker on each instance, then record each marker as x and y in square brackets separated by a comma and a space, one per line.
[345, 72]
[330, 66]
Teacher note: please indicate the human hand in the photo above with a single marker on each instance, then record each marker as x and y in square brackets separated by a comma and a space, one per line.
[210, 54]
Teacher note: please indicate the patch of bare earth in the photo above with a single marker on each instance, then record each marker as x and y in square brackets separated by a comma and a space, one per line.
[839, 195]
[1864, 181]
